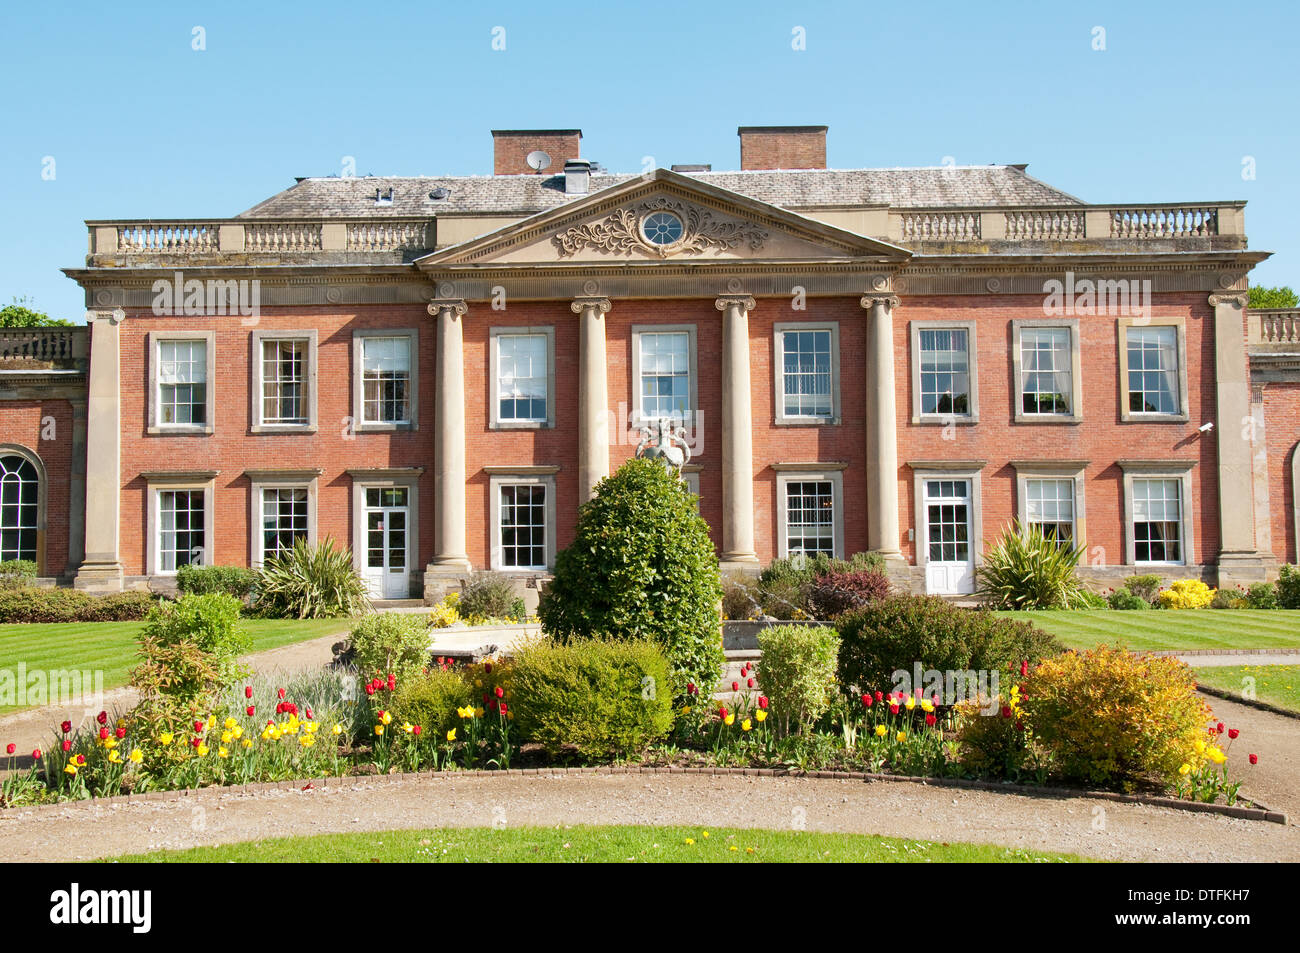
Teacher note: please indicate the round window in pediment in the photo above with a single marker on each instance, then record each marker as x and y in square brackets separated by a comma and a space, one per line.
[662, 228]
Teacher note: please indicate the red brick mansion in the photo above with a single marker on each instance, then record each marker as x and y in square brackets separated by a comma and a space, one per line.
[437, 371]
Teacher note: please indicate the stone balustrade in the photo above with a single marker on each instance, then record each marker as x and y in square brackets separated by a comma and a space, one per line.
[130, 243]
[49, 348]
[1274, 328]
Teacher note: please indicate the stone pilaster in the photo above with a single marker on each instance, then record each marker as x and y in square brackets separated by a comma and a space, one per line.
[101, 569]
[737, 436]
[449, 555]
[1239, 557]
[593, 395]
[882, 428]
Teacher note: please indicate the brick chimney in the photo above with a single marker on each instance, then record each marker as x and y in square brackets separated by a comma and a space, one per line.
[782, 147]
[511, 147]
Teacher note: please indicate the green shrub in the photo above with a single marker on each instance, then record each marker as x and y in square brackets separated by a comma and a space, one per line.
[1028, 570]
[1228, 599]
[992, 744]
[604, 698]
[1288, 587]
[237, 581]
[797, 672]
[73, 605]
[1093, 600]
[740, 597]
[895, 633]
[1110, 717]
[1145, 587]
[17, 573]
[641, 566]
[384, 642]
[839, 591]
[785, 585]
[1261, 595]
[311, 582]
[1124, 599]
[489, 595]
[189, 657]
[430, 699]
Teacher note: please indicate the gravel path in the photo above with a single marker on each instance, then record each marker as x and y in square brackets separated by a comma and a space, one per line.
[1276, 739]
[1107, 830]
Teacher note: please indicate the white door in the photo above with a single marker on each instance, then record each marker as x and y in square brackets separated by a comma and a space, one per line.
[950, 563]
[387, 572]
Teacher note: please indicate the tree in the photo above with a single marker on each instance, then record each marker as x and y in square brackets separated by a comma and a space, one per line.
[18, 315]
[1261, 297]
[642, 566]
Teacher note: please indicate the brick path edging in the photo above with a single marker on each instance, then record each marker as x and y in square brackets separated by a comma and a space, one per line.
[1257, 813]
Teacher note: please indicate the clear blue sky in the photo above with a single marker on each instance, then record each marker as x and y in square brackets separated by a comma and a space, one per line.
[140, 125]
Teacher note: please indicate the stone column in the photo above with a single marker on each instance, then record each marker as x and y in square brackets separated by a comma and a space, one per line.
[101, 570]
[449, 556]
[882, 427]
[737, 435]
[1239, 558]
[593, 395]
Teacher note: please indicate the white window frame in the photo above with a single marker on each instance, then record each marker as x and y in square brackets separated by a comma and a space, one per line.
[1180, 326]
[809, 473]
[499, 477]
[155, 425]
[1180, 470]
[161, 482]
[1073, 470]
[1076, 371]
[970, 470]
[42, 488]
[495, 421]
[371, 478]
[359, 423]
[972, 367]
[779, 330]
[257, 362]
[262, 480]
[693, 388]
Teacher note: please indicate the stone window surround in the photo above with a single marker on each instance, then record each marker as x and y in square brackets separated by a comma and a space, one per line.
[1295, 496]
[386, 477]
[1121, 329]
[160, 481]
[693, 351]
[278, 480]
[1076, 372]
[359, 424]
[1180, 470]
[778, 373]
[258, 337]
[1052, 470]
[499, 476]
[787, 473]
[923, 470]
[494, 401]
[154, 427]
[42, 493]
[915, 327]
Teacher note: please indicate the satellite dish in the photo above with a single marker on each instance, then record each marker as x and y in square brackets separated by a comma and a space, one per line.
[537, 161]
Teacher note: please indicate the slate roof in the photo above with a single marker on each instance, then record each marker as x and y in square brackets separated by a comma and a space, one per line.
[968, 186]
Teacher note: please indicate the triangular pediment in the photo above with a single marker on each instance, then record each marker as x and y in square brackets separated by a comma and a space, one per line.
[663, 216]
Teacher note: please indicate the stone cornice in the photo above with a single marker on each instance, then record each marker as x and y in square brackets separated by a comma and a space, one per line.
[1177, 465]
[522, 470]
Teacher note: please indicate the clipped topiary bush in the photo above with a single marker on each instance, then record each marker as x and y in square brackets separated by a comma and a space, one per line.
[838, 591]
[73, 605]
[386, 642]
[1113, 718]
[641, 566]
[603, 698]
[1146, 587]
[797, 672]
[237, 581]
[896, 633]
[1124, 599]
[1186, 594]
[1028, 570]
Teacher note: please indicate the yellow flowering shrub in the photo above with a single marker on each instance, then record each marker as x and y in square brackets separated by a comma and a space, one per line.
[1186, 594]
[445, 613]
[1110, 717]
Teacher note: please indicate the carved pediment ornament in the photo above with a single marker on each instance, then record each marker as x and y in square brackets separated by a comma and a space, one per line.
[620, 232]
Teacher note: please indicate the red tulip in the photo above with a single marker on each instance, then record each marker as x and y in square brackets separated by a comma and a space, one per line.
[36, 754]
[735, 686]
[11, 749]
[81, 759]
[880, 696]
[1006, 711]
[250, 709]
[690, 688]
[762, 702]
[66, 726]
[102, 717]
[199, 726]
[1254, 759]
[749, 683]
[485, 698]
[1232, 733]
[196, 742]
[392, 683]
[279, 709]
[248, 691]
[1024, 668]
[370, 689]
[1020, 726]
[504, 708]
[67, 745]
[492, 707]
[722, 711]
[103, 734]
[280, 693]
[487, 668]
[309, 714]
[930, 720]
[417, 729]
[893, 708]
[499, 692]
[866, 701]
[1219, 727]
[121, 733]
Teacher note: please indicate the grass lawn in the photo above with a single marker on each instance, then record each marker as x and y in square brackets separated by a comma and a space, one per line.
[110, 646]
[1276, 684]
[1157, 629]
[596, 845]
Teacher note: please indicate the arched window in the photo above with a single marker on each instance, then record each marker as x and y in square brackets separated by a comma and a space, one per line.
[19, 507]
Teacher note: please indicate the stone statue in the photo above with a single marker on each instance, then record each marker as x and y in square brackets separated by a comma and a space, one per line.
[665, 441]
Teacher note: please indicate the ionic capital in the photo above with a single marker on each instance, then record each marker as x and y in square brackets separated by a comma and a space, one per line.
[438, 305]
[888, 301]
[590, 303]
[1237, 299]
[743, 302]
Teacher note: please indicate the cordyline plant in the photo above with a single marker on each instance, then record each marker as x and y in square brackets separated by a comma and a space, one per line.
[312, 582]
[1028, 570]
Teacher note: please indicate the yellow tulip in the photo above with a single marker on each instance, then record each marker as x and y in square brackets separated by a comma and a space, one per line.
[202, 750]
[760, 716]
[730, 719]
[230, 724]
[1184, 768]
[690, 840]
[746, 725]
[114, 758]
[386, 718]
[478, 712]
[307, 740]
[227, 737]
[927, 706]
[408, 727]
[247, 742]
[451, 735]
[70, 769]
[379, 730]
[910, 703]
[881, 731]
[165, 738]
[212, 721]
[337, 729]
[223, 753]
[902, 736]
[238, 732]
[136, 756]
